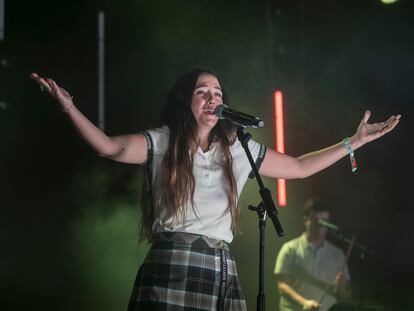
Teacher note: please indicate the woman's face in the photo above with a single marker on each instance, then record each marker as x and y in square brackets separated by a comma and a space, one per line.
[207, 95]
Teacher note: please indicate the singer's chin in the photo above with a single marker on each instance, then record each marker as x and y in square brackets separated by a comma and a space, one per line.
[209, 121]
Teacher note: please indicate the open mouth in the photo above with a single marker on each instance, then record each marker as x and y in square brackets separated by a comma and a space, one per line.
[208, 110]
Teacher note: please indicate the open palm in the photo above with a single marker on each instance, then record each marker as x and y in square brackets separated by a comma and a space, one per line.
[367, 132]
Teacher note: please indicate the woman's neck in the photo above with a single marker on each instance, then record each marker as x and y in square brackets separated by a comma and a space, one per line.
[203, 139]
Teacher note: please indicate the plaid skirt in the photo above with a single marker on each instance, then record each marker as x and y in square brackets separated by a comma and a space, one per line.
[187, 272]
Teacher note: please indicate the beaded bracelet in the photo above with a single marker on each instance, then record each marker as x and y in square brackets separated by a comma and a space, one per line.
[348, 147]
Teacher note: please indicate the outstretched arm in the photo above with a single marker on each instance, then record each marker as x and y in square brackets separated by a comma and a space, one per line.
[124, 148]
[277, 165]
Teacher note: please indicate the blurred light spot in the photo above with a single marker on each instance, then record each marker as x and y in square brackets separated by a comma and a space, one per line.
[3, 105]
[4, 63]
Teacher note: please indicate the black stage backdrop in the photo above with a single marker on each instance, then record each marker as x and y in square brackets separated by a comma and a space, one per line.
[69, 219]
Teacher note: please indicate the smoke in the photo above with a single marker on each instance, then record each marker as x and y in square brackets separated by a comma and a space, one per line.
[103, 240]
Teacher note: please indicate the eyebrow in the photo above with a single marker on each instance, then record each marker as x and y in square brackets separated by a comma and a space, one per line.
[205, 85]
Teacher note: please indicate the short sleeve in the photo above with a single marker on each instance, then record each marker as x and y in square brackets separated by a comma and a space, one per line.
[258, 153]
[150, 146]
[241, 165]
[284, 260]
[157, 140]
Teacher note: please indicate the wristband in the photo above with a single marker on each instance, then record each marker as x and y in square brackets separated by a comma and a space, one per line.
[348, 148]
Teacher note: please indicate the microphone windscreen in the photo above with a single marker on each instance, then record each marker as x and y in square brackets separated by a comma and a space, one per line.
[219, 111]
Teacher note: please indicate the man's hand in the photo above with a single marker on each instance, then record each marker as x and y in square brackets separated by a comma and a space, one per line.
[311, 305]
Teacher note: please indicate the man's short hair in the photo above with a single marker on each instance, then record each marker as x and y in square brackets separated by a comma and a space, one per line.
[314, 205]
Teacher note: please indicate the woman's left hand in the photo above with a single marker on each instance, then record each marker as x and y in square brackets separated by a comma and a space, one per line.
[367, 132]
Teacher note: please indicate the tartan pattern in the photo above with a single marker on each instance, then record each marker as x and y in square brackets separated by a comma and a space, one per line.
[187, 272]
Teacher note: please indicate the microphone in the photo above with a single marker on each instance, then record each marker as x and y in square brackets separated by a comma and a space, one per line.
[224, 112]
[327, 225]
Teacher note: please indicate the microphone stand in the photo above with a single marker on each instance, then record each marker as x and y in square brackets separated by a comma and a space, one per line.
[266, 207]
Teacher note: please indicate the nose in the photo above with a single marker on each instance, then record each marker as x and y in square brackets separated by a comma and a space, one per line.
[210, 98]
[209, 95]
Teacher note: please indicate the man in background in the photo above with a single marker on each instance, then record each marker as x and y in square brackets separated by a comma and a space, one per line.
[311, 273]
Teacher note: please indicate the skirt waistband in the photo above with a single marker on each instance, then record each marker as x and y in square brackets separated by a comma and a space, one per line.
[190, 239]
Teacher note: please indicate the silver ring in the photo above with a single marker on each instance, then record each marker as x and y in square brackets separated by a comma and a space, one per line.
[42, 88]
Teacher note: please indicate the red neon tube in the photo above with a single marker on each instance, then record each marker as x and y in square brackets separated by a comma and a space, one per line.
[280, 143]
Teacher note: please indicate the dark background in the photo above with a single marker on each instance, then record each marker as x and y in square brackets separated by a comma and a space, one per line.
[69, 219]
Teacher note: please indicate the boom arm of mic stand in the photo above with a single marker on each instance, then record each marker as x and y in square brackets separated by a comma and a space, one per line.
[264, 192]
[356, 245]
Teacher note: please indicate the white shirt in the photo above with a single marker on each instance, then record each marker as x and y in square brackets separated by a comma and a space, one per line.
[311, 269]
[212, 217]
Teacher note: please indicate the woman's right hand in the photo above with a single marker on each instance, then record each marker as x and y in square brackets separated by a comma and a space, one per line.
[130, 148]
[57, 92]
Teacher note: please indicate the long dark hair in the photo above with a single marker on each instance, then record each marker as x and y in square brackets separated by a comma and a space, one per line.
[178, 182]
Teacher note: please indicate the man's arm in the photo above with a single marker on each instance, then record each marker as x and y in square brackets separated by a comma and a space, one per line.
[283, 284]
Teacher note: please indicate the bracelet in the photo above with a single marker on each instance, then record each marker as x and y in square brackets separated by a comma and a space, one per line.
[348, 148]
[65, 110]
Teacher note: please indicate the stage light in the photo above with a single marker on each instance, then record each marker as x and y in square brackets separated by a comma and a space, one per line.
[388, 1]
[280, 144]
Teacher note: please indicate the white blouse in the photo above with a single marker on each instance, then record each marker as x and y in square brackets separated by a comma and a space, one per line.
[212, 217]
